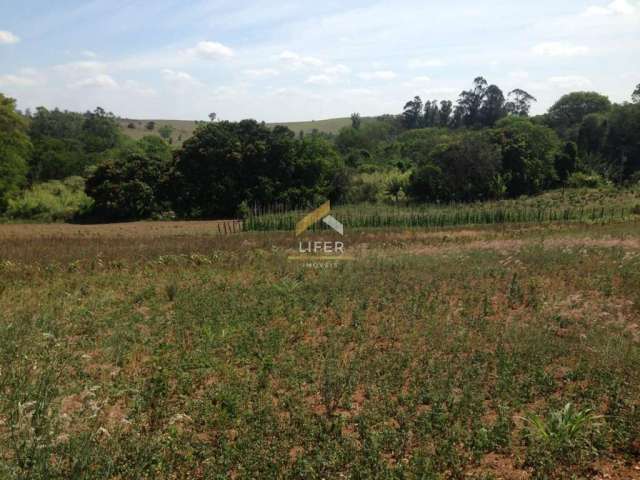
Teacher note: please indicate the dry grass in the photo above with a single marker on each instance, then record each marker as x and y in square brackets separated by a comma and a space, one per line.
[168, 351]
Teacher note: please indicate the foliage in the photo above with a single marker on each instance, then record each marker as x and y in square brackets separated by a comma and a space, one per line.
[165, 131]
[586, 180]
[51, 201]
[100, 131]
[566, 115]
[131, 183]
[225, 164]
[15, 148]
[464, 169]
[528, 155]
[564, 437]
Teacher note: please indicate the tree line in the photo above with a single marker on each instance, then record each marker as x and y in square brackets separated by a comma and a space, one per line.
[486, 146]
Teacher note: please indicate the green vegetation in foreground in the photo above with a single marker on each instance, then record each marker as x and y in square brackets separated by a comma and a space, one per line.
[230, 362]
[581, 205]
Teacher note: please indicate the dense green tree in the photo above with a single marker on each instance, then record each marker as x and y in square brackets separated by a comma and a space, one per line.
[519, 103]
[418, 145]
[431, 114]
[466, 168]
[635, 96]
[225, 164]
[58, 149]
[493, 106]
[15, 148]
[412, 113]
[528, 155]
[470, 102]
[130, 183]
[100, 131]
[446, 108]
[566, 162]
[566, 115]
[622, 148]
[592, 134]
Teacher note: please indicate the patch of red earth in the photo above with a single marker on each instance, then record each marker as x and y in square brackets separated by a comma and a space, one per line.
[500, 467]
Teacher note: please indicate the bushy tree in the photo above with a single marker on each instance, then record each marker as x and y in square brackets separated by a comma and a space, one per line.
[225, 164]
[100, 131]
[14, 150]
[464, 169]
[519, 103]
[131, 183]
[566, 115]
[566, 162]
[470, 102]
[412, 113]
[528, 155]
[622, 148]
[592, 134]
[165, 131]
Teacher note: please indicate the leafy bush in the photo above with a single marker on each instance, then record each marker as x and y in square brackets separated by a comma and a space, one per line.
[586, 180]
[564, 437]
[50, 201]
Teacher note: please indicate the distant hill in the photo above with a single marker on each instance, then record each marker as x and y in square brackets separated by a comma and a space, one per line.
[183, 129]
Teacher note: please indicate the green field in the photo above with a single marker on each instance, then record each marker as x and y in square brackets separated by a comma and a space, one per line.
[168, 350]
[183, 129]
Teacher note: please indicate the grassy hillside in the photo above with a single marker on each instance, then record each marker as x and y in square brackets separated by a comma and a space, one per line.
[183, 129]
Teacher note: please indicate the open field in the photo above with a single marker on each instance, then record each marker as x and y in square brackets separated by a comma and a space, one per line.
[166, 351]
[183, 129]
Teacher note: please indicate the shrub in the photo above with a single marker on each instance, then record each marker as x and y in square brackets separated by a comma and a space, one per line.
[50, 201]
[586, 180]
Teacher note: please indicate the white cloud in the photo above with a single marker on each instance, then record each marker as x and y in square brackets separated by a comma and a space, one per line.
[8, 38]
[338, 69]
[82, 67]
[296, 60]
[320, 80]
[570, 81]
[89, 54]
[420, 81]
[138, 88]
[262, 72]
[210, 51]
[180, 78]
[17, 81]
[426, 63]
[378, 75]
[99, 81]
[559, 49]
[617, 7]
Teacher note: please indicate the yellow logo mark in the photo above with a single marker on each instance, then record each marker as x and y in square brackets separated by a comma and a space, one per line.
[313, 217]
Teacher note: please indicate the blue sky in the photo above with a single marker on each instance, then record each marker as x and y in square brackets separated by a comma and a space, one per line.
[286, 61]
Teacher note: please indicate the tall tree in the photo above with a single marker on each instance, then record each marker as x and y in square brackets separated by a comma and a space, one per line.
[493, 108]
[356, 121]
[100, 131]
[14, 149]
[519, 103]
[470, 102]
[57, 145]
[431, 113]
[635, 96]
[412, 113]
[446, 107]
